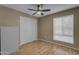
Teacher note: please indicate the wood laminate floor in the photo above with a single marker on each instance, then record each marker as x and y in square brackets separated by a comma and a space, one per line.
[44, 48]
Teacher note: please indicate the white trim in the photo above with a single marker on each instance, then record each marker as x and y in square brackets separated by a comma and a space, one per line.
[60, 44]
[4, 53]
[8, 53]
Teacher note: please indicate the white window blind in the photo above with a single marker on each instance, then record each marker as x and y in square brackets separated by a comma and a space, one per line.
[63, 28]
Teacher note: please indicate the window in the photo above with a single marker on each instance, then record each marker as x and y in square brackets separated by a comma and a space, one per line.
[63, 28]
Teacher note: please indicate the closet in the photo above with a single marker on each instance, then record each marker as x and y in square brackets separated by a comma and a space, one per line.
[28, 29]
[9, 39]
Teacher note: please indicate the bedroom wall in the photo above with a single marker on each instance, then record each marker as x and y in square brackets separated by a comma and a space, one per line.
[45, 27]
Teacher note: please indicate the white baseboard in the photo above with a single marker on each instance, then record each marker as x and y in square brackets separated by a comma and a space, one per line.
[4, 53]
[60, 44]
[8, 53]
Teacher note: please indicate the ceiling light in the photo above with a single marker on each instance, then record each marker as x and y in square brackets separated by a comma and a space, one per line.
[39, 13]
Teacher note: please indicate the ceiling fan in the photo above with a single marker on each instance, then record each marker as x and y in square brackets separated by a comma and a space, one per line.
[39, 10]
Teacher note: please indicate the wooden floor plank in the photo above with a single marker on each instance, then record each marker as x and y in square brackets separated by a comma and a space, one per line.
[44, 48]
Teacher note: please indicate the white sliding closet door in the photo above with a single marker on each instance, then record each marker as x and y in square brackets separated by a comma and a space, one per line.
[28, 30]
[9, 39]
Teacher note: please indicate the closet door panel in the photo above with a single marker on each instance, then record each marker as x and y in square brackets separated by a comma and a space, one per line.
[28, 30]
[9, 37]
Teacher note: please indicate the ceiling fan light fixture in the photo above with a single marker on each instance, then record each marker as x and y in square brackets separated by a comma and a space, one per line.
[39, 13]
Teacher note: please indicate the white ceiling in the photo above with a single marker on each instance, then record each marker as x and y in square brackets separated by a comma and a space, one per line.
[54, 8]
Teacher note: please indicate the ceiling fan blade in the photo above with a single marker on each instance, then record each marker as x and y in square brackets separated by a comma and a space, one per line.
[34, 13]
[32, 9]
[45, 10]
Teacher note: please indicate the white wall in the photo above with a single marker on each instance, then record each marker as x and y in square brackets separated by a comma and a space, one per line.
[28, 30]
